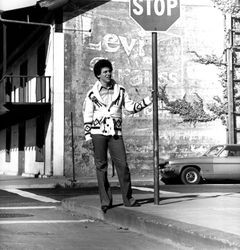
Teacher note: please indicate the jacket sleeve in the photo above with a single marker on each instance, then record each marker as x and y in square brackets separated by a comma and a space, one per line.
[134, 107]
[88, 109]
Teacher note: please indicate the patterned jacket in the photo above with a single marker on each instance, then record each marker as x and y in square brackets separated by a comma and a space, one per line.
[100, 118]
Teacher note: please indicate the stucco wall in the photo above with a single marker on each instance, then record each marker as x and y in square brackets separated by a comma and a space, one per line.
[107, 31]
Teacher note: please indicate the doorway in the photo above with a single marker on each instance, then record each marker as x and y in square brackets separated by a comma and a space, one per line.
[21, 147]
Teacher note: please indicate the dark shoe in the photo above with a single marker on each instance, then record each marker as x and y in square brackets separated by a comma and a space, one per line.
[134, 204]
[104, 208]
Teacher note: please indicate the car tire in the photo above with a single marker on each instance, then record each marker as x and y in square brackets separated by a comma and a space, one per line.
[190, 175]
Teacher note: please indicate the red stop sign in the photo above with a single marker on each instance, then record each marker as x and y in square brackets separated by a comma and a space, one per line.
[155, 15]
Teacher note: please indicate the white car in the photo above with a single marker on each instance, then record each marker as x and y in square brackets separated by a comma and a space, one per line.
[220, 162]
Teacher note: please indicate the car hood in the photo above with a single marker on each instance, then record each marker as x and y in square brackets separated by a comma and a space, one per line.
[190, 160]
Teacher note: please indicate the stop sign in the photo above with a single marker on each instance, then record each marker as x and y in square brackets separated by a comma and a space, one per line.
[155, 15]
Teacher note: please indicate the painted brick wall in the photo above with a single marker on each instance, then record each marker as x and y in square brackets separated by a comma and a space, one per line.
[107, 31]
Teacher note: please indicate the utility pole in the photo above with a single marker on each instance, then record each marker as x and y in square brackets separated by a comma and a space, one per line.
[232, 23]
[230, 83]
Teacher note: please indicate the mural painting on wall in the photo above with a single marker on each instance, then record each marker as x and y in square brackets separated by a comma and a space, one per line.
[114, 35]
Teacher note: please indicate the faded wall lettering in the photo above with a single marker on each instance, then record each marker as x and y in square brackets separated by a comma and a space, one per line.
[113, 43]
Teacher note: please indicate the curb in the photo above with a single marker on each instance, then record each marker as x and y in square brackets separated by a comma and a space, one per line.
[49, 182]
[184, 235]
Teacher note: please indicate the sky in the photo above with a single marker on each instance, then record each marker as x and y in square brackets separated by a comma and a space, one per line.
[6, 5]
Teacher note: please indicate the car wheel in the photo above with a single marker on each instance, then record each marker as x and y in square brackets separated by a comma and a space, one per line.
[190, 175]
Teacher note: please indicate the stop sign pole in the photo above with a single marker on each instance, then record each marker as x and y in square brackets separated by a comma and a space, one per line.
[155, 118]
[155, 15]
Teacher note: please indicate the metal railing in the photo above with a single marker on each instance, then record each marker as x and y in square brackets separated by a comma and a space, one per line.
[25, 89]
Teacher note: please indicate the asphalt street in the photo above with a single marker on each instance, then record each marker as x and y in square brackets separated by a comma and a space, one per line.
[48, 227]
[32, 218]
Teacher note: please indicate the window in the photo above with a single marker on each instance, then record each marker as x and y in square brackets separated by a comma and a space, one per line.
[213, 151]
[8, 144]
[8, 89]
[40, 138]
[41, 56]
[234, 153]
[41, 84]
[21, 136]
[230, 152]
[23, 81]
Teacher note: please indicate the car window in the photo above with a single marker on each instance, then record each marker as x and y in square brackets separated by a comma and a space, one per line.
[213, 151]
[230, 153]
[224, 153]
[233, 153]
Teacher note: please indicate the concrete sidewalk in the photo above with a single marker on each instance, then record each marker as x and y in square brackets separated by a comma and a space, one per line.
[190, 221]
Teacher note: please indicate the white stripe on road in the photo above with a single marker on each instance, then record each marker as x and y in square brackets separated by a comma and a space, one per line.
[204, 194]
[152, 190]
[143, 189]
[35, 207]
[30, 195]
[44, 221]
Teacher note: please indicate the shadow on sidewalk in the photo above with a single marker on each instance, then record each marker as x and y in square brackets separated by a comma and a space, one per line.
[184, 198]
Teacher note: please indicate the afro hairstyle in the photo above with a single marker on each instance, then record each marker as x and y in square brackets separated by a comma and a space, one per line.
[101, 64]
